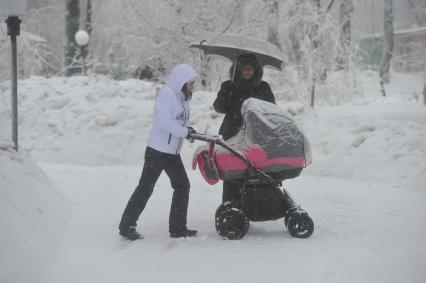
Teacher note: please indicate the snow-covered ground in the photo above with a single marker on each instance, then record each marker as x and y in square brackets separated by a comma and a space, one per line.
[365, 190]
[364, 233]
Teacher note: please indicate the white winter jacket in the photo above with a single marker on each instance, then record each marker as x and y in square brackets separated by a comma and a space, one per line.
[171, 113]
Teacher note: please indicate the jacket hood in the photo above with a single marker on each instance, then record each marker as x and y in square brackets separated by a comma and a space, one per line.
[181, 74]
[244, 60]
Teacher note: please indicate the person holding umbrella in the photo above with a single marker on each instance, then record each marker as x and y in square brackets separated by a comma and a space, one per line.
[246, 82]
[249, 56]
[171, 115]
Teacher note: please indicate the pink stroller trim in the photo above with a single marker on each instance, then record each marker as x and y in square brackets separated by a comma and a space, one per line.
[228, 161]
[205, 159]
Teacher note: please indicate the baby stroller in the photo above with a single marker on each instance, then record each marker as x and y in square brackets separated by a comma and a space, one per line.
[268, 149]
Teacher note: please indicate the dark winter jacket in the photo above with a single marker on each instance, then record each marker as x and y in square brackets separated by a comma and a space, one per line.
[232, 95]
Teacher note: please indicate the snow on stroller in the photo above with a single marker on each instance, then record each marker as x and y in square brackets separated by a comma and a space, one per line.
[268, 149]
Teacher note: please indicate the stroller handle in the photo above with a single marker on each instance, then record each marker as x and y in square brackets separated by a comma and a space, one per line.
[219, 140]
[205, 137]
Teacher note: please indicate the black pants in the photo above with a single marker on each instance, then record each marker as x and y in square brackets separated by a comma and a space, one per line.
[155, 163]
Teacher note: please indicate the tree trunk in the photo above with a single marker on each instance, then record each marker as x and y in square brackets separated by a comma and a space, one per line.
[345, 17]
[72, 17]
[313, 93]
[87, 27]
[382, 88]
[387, 41]
[329, 6]
[205, 73]
[295, 44]
[315, 37]
[316, 41]
[415, 11]
[274, 19]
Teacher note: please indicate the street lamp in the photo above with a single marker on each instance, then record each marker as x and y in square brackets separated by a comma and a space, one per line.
[82, 39]
[12, 9]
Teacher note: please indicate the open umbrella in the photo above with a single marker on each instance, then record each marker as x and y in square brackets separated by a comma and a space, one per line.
[231, 46]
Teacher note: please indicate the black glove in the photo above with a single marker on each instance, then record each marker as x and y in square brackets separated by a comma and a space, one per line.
[190, 132]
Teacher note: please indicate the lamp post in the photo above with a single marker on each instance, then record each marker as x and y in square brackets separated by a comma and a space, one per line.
[12, 9]
[82, 39]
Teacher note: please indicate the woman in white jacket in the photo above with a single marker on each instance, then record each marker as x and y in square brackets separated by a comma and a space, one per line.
[169, 128]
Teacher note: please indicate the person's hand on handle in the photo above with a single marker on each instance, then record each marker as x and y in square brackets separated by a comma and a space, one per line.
[190, 132]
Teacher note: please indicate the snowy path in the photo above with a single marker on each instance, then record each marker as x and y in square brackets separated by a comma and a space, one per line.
[364, 233]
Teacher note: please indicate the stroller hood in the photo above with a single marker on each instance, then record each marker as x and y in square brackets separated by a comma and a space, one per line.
[269, 137]
[270, 128]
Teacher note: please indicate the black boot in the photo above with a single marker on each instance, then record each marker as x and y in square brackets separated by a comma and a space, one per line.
[131, 234]
[183, 233]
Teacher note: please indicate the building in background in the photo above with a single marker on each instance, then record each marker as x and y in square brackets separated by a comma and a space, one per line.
[409, 50]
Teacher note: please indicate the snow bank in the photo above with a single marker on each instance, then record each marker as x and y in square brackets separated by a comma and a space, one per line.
[377, 138]
[97, 121]
[32, 216]
[82, 120]
[368, 143]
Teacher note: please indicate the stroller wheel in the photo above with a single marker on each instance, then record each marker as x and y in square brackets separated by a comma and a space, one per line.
[231, 222]
[294, 210]
[300, 225]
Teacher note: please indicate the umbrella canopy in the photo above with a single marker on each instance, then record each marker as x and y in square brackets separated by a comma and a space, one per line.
[230, 46]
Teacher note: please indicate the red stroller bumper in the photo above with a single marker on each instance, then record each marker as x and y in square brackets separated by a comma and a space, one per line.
[219, 164]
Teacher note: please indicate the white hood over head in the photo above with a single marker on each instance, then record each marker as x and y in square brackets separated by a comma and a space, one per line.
[181, 74]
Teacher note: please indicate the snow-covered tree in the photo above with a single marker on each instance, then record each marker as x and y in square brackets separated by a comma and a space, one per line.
[158, 33]
[34, 55]
[317, 36]
[39, 50]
